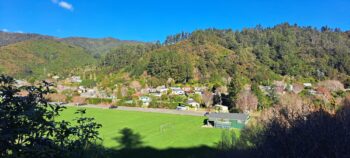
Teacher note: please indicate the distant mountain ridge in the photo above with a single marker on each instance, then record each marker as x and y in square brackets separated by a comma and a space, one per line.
[7, 38]
[92, 45]
[35, 55]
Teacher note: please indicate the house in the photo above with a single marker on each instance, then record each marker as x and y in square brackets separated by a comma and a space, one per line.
[162, 89]
[199, 90]
[156, 94]
[227, 120]
[307, 85]
[75, 79]
[186, 89]
[152, 90]
[312, 92]
[89, 93]
[177, 91]
[221, 108]
[145, 100]
[193, 103]
[81, 89]
[56, 77]
[265, 89]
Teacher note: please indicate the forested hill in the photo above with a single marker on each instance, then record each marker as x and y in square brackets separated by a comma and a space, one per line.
[7, 38]
[97, 46]
[27, 55]
[38, 58]
[257, 54]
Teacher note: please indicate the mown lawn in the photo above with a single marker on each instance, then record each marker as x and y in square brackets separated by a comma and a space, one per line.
[157, 130]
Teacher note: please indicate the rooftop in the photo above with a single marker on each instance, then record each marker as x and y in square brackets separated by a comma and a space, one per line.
[231, 116]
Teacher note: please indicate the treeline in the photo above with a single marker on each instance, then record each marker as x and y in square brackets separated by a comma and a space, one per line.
[259, 54]
[173, 39]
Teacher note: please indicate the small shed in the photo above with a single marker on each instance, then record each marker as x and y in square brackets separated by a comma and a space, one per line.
[228, 120]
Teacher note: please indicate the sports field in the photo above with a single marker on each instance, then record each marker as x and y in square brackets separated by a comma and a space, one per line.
[157, 130]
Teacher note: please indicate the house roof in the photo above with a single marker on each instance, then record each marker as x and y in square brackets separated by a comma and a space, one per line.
[231, 116]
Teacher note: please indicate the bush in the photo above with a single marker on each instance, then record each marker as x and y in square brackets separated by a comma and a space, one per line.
[98, 100]
[31, 131]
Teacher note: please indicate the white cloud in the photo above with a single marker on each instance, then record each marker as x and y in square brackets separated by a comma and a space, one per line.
[19, 31]
[66, 5]
[4, 30]
[63, 4]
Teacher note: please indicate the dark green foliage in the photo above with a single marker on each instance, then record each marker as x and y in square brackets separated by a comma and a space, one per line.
[173, 39]
[235, 87]
[228, 141]
[170, 65]
[259, 54]
[264, 100]
[28, 127]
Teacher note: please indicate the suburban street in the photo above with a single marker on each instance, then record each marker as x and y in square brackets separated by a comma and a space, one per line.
[154, 110]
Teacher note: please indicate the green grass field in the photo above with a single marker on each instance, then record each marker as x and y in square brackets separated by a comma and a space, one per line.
[157, 130]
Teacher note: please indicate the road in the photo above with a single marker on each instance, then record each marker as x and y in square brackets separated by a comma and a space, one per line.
[154, 110]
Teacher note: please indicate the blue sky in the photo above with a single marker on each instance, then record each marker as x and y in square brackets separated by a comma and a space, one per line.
[150, 20]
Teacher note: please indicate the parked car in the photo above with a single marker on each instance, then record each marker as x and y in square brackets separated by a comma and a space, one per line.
[113, 107]
[182, 108]
[80, 104]
[57, 103]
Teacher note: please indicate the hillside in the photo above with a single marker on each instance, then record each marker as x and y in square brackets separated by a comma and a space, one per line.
[36, 58]
[7, 38]
[97, 46]
[257, 54]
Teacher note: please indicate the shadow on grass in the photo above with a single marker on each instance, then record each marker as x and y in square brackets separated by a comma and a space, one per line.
[131, 146]
[149, 152]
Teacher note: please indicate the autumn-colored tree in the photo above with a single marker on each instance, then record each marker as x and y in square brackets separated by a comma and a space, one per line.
[331, 85]
[207, 98]
[246, 101]
[55, 97]
[78, 100]
[136, 85]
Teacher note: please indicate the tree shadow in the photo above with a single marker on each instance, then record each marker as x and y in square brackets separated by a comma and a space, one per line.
[129, 139]
[131, 146]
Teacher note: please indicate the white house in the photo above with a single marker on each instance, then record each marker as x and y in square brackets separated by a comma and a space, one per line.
[145, 100]
[56, 77]
[75, 79]
[152, 90]
[89, 93]
[178, 92]
[307, 85]
[221, 108]
[193, 103]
